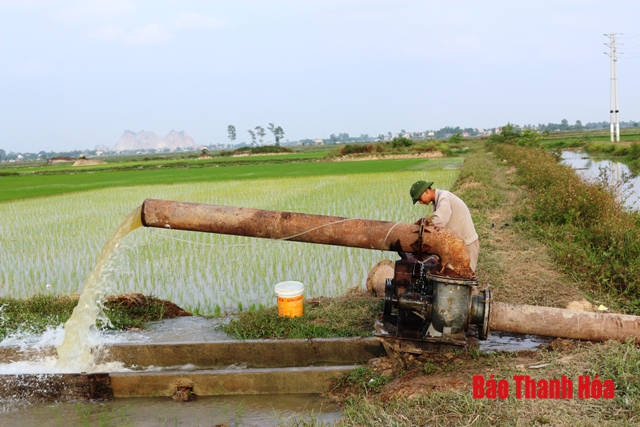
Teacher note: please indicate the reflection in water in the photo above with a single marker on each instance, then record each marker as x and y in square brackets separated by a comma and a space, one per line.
[505, 341]
[591, 169]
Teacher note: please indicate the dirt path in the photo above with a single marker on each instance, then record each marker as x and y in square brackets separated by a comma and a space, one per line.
[516, 266]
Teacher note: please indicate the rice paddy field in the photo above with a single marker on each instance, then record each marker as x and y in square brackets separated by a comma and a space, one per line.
[50, 244]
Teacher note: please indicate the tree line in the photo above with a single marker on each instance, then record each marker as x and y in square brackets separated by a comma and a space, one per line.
[258, 132]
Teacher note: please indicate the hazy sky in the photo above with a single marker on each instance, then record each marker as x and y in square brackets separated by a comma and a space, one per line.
[75, 74]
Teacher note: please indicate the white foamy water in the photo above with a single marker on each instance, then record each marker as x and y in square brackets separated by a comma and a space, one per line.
[37, 351]
[47, 365]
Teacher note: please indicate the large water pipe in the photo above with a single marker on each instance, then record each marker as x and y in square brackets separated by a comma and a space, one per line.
[300, 227]
[563, 323]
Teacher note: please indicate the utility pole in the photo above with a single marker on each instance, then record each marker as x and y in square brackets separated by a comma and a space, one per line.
[613, 90]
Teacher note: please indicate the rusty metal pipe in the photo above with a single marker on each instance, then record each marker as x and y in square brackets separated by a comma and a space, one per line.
[563, 323]
[300, 227]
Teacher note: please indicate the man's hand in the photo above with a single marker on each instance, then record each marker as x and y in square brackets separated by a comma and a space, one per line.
[427, 221]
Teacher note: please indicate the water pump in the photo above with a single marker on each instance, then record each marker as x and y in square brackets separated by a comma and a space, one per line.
[422, 306]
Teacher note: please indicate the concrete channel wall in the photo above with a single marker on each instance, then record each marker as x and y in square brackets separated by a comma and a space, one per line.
[204, 369]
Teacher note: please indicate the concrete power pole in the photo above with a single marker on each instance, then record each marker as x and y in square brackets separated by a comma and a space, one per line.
[613, 96]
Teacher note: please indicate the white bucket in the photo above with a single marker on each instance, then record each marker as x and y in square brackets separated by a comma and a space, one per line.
[290, 298]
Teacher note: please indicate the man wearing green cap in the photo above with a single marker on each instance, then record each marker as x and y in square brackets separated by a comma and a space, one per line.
[449, 212]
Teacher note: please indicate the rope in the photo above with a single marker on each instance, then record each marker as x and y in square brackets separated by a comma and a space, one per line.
[384, 242]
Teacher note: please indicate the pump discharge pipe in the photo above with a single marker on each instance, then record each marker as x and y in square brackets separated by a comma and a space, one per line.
[387, 236]
[300, 227]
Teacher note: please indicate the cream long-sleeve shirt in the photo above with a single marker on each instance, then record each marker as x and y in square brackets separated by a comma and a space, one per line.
[452, 213]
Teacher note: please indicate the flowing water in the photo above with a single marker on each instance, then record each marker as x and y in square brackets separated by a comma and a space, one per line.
[74, 354]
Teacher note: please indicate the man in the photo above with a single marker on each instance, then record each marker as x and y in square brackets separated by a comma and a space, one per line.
[451, 213]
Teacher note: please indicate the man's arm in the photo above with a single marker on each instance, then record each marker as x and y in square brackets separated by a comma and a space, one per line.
[442, 214]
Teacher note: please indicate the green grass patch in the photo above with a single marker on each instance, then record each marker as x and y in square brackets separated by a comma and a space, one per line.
[348, 316]
[33, 315]
[362, 380]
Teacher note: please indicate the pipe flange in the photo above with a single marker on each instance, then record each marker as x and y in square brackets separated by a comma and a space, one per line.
[483, 330]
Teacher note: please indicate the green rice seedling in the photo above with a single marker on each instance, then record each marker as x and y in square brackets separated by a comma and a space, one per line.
[49, 245]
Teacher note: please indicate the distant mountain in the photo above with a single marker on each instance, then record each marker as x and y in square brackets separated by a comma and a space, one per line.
[149, 140]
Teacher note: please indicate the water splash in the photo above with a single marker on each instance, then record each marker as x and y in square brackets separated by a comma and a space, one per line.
[74, 354]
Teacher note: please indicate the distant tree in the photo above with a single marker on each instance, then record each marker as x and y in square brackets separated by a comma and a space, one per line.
[2, 154]
[456, 138]
[260, 132]
[333, 138]
[272, 129]
[401, 141]
[564, 124]
[578, 125]
[279, 134]
[204, 152]
[512, 135]
[344, 137]
[232, 132]
[390, 135]
[276, 131]
[253, 136]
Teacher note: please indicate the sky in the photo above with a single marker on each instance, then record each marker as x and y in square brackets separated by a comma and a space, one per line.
[75, 74]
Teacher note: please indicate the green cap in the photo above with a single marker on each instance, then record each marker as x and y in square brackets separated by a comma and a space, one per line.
[418, 188]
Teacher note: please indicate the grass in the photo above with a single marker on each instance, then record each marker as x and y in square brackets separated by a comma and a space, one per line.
[346, 316]
[35, 314]
[33, 185]
[362, 381]
[123, 163]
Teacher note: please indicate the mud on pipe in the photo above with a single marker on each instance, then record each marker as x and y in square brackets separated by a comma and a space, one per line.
[300, 227]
